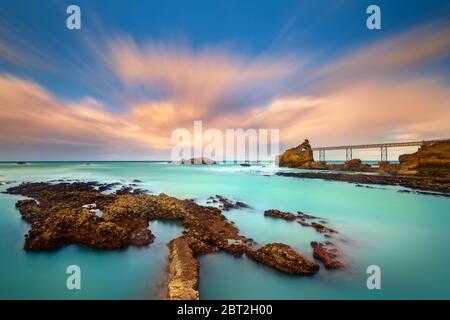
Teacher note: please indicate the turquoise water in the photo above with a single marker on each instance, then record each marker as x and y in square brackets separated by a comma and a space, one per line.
[407, 235]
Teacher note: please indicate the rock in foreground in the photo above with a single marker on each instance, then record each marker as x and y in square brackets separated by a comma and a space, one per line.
[183, 271]
[283, 258]
[61, 216]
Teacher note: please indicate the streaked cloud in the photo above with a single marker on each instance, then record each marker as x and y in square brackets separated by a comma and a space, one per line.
[364, 96]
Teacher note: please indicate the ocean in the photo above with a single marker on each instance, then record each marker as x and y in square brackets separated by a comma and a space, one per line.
[405, 234]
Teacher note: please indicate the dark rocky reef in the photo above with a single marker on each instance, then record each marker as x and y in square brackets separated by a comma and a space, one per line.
[328, 254]
[318, 224]
[298, 157]
[58, 218]
[354, 165]
[282, 257]
[439, 184]
[226, 204]
[279, 214]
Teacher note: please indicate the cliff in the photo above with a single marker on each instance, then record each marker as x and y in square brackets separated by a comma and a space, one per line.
[432, 160]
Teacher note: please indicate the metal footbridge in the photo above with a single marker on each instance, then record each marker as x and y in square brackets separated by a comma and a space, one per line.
[382, 146]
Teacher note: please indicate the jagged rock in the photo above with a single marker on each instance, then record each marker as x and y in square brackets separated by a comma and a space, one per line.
[431, 160]
[328, 254]
[283, 258]
[279, 214]
[298, 157]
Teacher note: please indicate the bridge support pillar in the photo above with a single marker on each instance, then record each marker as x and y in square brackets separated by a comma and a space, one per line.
[348, 154]
[383, 153]
[322, 155]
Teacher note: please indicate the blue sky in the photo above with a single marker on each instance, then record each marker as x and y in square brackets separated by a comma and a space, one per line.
[73, 67]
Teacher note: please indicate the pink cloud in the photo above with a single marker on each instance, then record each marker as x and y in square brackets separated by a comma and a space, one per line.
[353, 104]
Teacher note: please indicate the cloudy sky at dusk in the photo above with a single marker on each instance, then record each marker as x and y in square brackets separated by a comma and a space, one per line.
[117, 88]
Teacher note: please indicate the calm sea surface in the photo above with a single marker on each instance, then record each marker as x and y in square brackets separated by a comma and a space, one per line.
[406, 235]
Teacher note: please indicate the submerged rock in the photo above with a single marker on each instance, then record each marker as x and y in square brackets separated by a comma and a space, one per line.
[283, 258]
[354, 165]
[328, 254]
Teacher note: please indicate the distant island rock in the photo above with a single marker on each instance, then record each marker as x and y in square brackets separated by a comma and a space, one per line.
[201, 160]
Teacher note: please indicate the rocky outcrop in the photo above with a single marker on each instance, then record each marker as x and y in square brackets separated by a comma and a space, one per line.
[283, 258]
[298, 157]
[430, 160]
[60, 217]
[328, 254]
[279, 214]
[183, 271]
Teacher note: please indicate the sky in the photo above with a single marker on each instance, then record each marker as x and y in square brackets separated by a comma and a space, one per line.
[138, 70]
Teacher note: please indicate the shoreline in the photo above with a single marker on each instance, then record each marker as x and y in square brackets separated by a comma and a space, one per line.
[433, 186]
